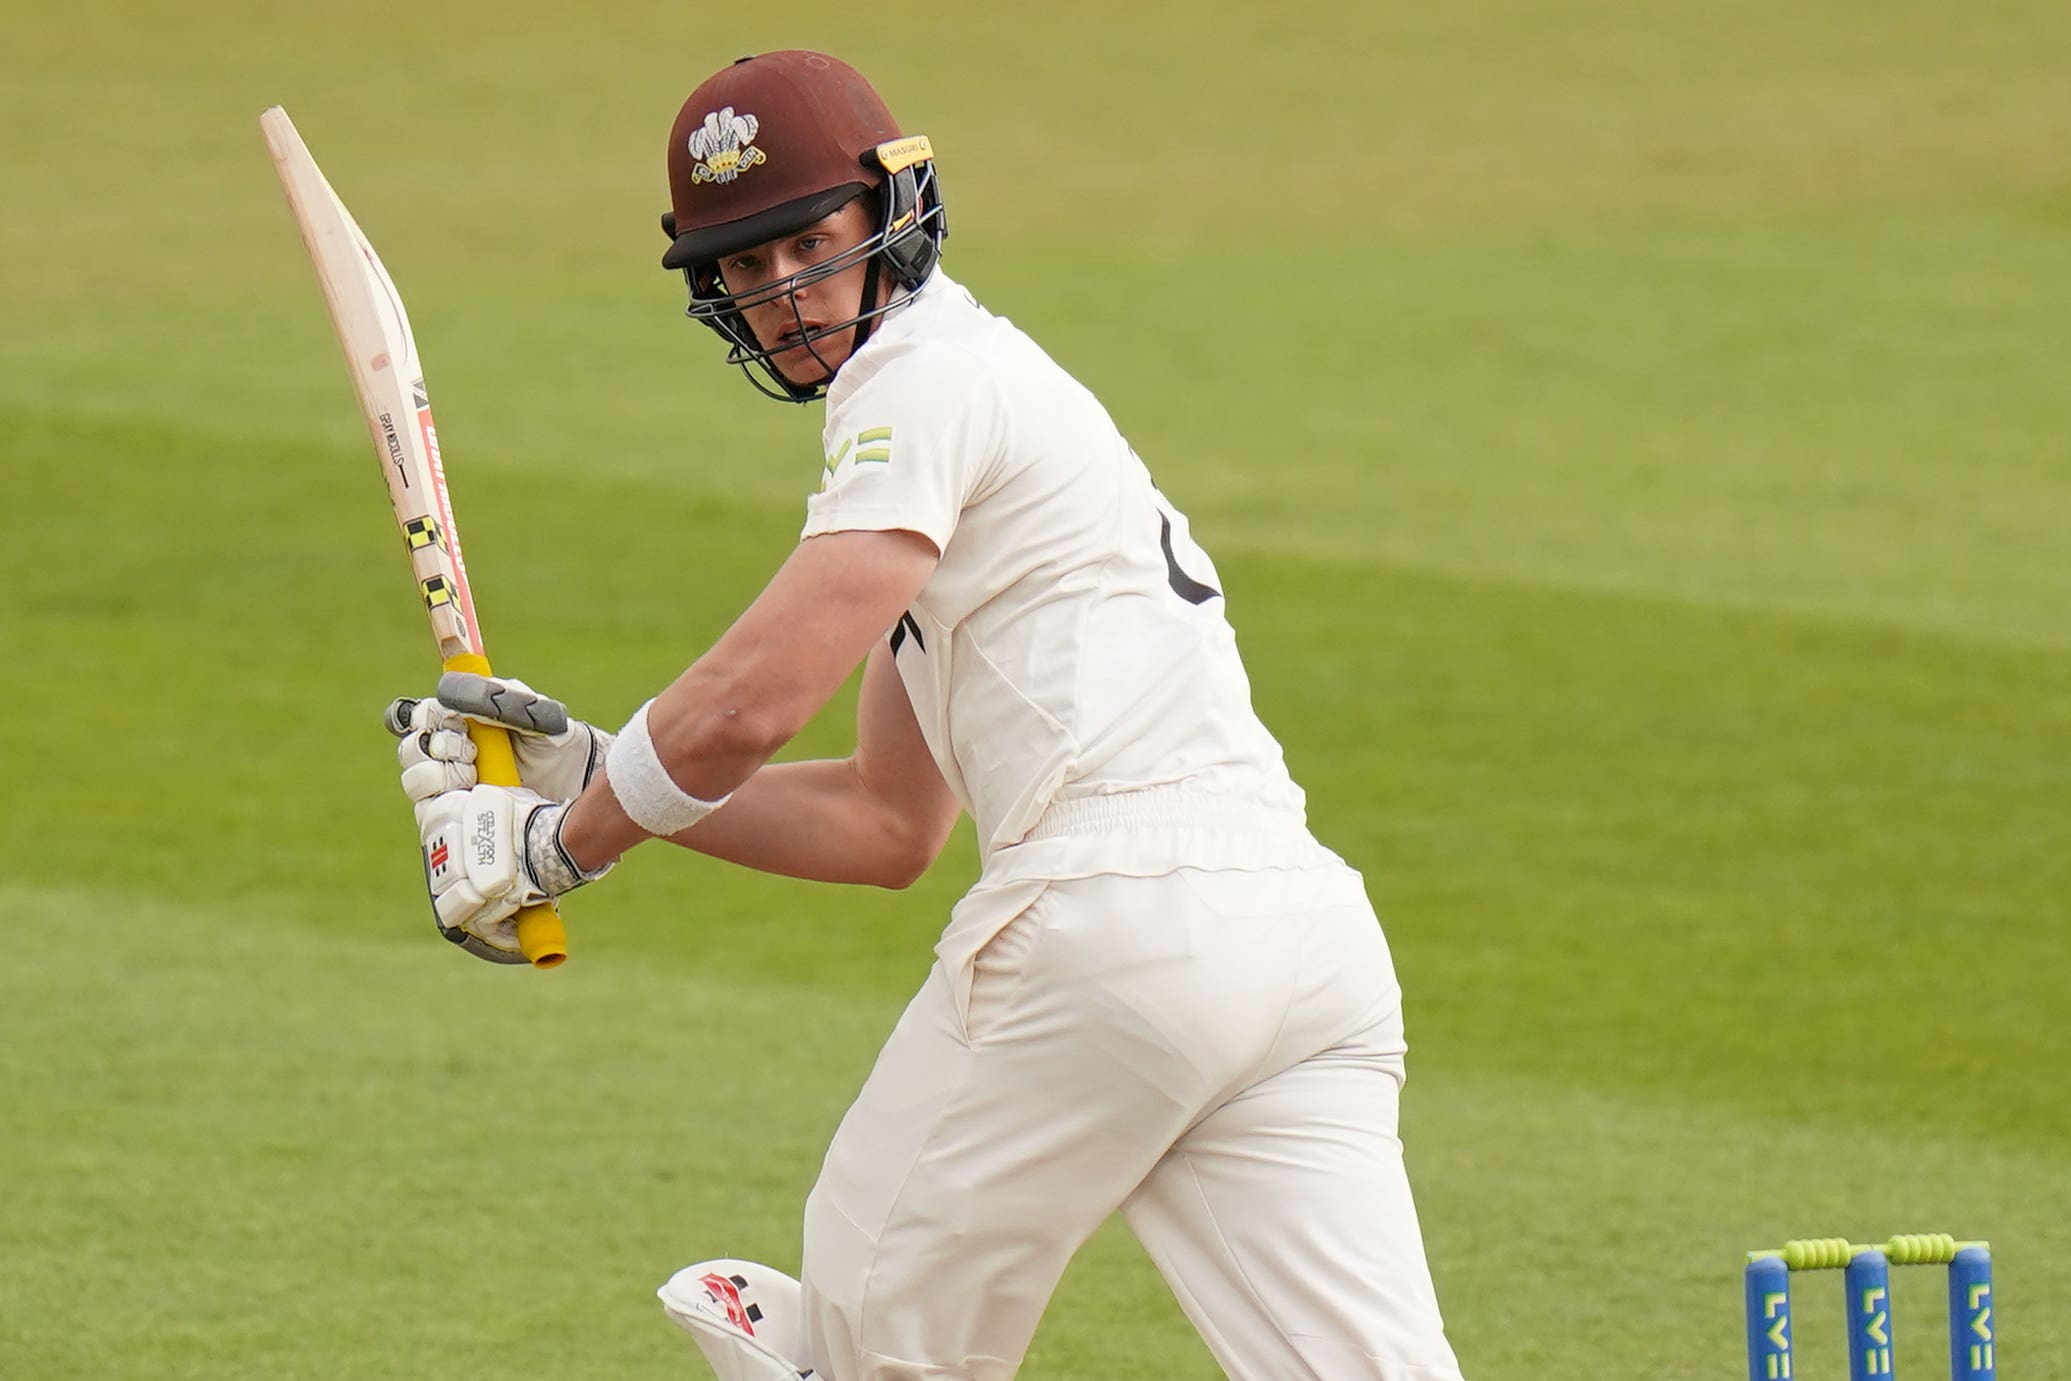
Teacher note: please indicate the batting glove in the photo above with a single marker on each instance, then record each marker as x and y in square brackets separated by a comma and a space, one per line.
[489, 852]
[557, 756]
[435, 752]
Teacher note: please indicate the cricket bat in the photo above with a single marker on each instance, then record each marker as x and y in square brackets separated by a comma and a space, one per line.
[381, 354]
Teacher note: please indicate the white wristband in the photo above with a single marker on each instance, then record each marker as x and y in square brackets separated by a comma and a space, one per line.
[645, 790]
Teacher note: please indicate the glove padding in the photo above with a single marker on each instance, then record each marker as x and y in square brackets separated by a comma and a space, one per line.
[489, 852]
[557, 756]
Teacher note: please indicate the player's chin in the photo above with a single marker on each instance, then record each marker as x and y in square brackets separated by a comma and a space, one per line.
[806, 365]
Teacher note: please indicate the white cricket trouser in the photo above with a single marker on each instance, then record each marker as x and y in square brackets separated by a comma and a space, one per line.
[1215, 1053]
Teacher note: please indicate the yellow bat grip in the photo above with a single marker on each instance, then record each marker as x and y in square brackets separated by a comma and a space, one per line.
[541, 937]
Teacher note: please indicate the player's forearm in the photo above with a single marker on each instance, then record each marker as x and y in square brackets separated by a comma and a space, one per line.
[814, 820]
[713, 729]
[708, 734]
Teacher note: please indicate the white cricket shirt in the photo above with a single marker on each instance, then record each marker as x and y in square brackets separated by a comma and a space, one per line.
[1071, 644]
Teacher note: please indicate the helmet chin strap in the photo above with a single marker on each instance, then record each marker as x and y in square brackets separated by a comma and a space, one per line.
[869, 300]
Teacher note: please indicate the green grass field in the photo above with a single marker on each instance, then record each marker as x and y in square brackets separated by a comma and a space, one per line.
[1637, 446]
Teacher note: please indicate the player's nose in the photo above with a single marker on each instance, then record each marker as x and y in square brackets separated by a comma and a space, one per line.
[783, 266]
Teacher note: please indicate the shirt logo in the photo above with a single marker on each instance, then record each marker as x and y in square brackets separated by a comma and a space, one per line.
[872, 447]
[834, 461]
[724, 146]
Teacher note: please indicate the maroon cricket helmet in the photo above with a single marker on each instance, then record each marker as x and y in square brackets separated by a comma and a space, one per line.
[766, 147]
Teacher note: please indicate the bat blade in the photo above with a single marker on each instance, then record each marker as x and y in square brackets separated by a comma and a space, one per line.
[381, 355]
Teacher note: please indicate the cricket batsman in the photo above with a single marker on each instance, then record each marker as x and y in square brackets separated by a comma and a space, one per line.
[1161, 996]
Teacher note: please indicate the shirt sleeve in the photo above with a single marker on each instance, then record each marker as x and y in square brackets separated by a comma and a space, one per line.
[909, 448]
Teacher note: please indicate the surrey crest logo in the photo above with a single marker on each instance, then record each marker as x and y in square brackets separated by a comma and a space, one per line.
[724, 146]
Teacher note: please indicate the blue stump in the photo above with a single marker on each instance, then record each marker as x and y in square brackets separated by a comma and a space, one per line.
[1970, 1315]
[1768, 1320]
[1869, 1316]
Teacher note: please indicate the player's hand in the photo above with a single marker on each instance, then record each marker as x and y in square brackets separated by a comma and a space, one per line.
[489, 852]
[556, 755]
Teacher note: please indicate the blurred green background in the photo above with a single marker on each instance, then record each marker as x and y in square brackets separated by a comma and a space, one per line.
[1637, 445]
